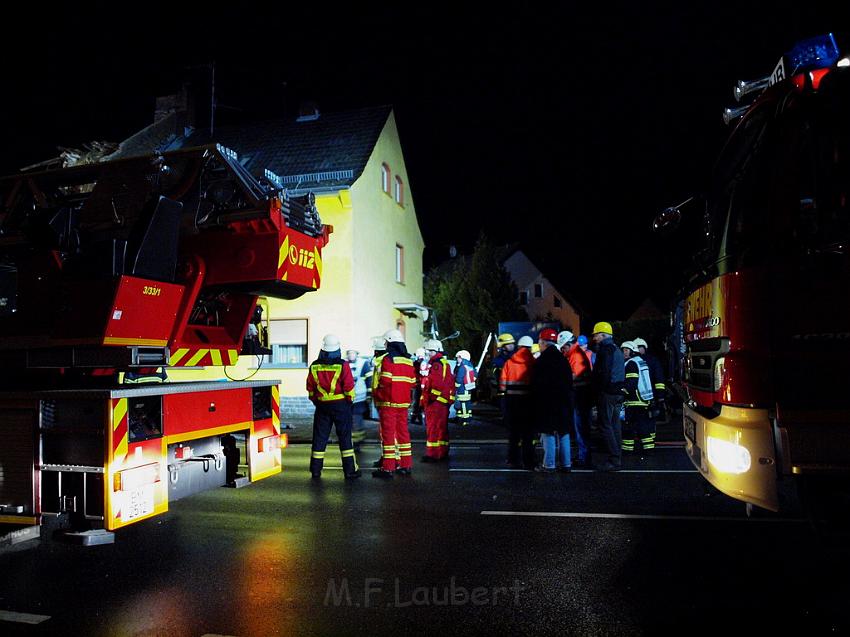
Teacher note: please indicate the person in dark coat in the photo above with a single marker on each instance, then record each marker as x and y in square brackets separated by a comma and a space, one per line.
[552, 397]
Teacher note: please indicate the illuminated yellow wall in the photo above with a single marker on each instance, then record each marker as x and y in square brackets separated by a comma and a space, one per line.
[358, 287]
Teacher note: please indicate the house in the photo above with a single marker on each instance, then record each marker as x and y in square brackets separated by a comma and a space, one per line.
[372, 268]
[538, 294]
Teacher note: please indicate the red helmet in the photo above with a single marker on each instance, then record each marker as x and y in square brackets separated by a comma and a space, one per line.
[549, 335]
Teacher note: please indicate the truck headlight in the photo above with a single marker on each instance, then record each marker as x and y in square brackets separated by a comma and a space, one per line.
[728, 457]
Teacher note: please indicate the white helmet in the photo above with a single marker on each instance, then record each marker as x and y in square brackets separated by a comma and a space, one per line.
[433, 345]
[525, 341]
[420, 353]
[564, 338]
[464, 355]
[639, 342]
[330, 343]
[394, 336]
[630, 345]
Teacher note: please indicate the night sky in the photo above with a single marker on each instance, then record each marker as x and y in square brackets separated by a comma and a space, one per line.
[565, 129]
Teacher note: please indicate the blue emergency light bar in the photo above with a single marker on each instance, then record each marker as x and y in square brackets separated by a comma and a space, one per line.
[815, 53]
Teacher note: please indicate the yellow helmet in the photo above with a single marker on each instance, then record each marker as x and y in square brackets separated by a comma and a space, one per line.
[505, 339]
[603, 328]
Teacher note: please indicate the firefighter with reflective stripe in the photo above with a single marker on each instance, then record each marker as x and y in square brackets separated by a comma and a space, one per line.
[656, 374]
[638, 389]
[330, 387]
[395, 377]
[515, 383]
[438, 393]
[464, 384]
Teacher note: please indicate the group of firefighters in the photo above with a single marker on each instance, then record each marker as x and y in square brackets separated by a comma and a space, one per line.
[548, 388]
[395, 379]
[625, 384]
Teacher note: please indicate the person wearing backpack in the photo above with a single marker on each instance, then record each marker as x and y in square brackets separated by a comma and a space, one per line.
[639, 393]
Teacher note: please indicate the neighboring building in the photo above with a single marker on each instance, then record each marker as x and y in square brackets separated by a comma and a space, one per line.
[648, 310]
[372, 268]
[538, 295]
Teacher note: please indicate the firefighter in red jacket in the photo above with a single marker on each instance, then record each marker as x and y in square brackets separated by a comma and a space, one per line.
[438, 393]
[395, 380]
[330, 387]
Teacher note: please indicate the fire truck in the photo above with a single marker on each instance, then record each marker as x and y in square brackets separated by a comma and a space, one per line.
[764, 321]
[112, 272]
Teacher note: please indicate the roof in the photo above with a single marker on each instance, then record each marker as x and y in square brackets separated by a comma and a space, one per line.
[554, 273]
[329, 151]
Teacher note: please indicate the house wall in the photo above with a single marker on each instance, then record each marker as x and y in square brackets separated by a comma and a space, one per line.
[358, 288]
[525, 275]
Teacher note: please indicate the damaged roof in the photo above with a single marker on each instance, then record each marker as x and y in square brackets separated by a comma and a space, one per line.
[324, 152]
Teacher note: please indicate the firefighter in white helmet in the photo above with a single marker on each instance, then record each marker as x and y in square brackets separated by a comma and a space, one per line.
[464, 384]
[395, 378]
[330, 386]
[437, 395]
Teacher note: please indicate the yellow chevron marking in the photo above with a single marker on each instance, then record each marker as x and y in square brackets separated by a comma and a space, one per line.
[177, 356]
[318, 256]
[118, 412]
[215, 354]
[233, 356]
[284, 253]
[197, 357]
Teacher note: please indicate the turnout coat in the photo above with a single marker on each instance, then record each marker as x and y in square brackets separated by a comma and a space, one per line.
[552, 393]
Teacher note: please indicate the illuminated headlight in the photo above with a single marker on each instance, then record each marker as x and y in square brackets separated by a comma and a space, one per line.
[843, 63]
[719, 373]
[728, 457]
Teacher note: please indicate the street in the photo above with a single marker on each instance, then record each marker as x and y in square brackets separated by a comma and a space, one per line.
[465, 547]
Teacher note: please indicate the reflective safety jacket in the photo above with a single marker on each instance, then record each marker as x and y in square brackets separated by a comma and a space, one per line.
[464, 377]
[516, 373]
[395, 377]
[656, 374]
[580, 365]
[638, 386]
[439, 385]
[330, 380]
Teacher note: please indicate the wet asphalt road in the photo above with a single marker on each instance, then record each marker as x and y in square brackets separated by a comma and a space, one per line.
[441, 552]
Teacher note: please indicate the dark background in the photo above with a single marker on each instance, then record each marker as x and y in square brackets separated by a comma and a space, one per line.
[565, 129]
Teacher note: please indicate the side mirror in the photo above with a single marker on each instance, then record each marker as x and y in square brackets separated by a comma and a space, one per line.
[667, 221]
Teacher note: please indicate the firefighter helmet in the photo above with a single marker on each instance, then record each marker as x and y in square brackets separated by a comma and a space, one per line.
[640, 342]
[394, 336]
[420, 353]
[464, 355]
[564, 338]
[548, 334]
[433, 345]
[603, 328]
[525, 341]
[330, 343]
[629, 345]
[505, 339]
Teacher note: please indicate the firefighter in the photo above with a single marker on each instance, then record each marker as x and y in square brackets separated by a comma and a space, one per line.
[394, 381]
[580, 367]
[638, 388]
[656, 373]
[515, 383]
[607, 381]
[464, 384]
[358, 408]
[330, 387]
[438, 393]
[419, 357]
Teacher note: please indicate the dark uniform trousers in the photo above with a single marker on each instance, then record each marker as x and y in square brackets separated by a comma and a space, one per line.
[337, 414]
[521, 432]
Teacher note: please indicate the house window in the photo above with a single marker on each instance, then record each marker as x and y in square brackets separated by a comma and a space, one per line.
[399, 191]
[385, 178]
[523, 297]
[288, 342]
[538, 290]
[399, 263]
[557, 301]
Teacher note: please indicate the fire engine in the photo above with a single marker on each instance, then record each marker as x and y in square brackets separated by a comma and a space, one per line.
[115, 271]
[764, 322]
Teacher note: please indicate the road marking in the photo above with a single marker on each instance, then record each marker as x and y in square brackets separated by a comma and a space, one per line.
[578, 471]
[22, 618]
[627, 516]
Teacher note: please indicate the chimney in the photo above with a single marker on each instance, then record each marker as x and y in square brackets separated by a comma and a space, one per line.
[308, 111]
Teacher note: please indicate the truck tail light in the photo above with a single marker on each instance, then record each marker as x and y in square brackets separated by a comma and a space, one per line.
[284, 441]
[131, 479]
[270, 443]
